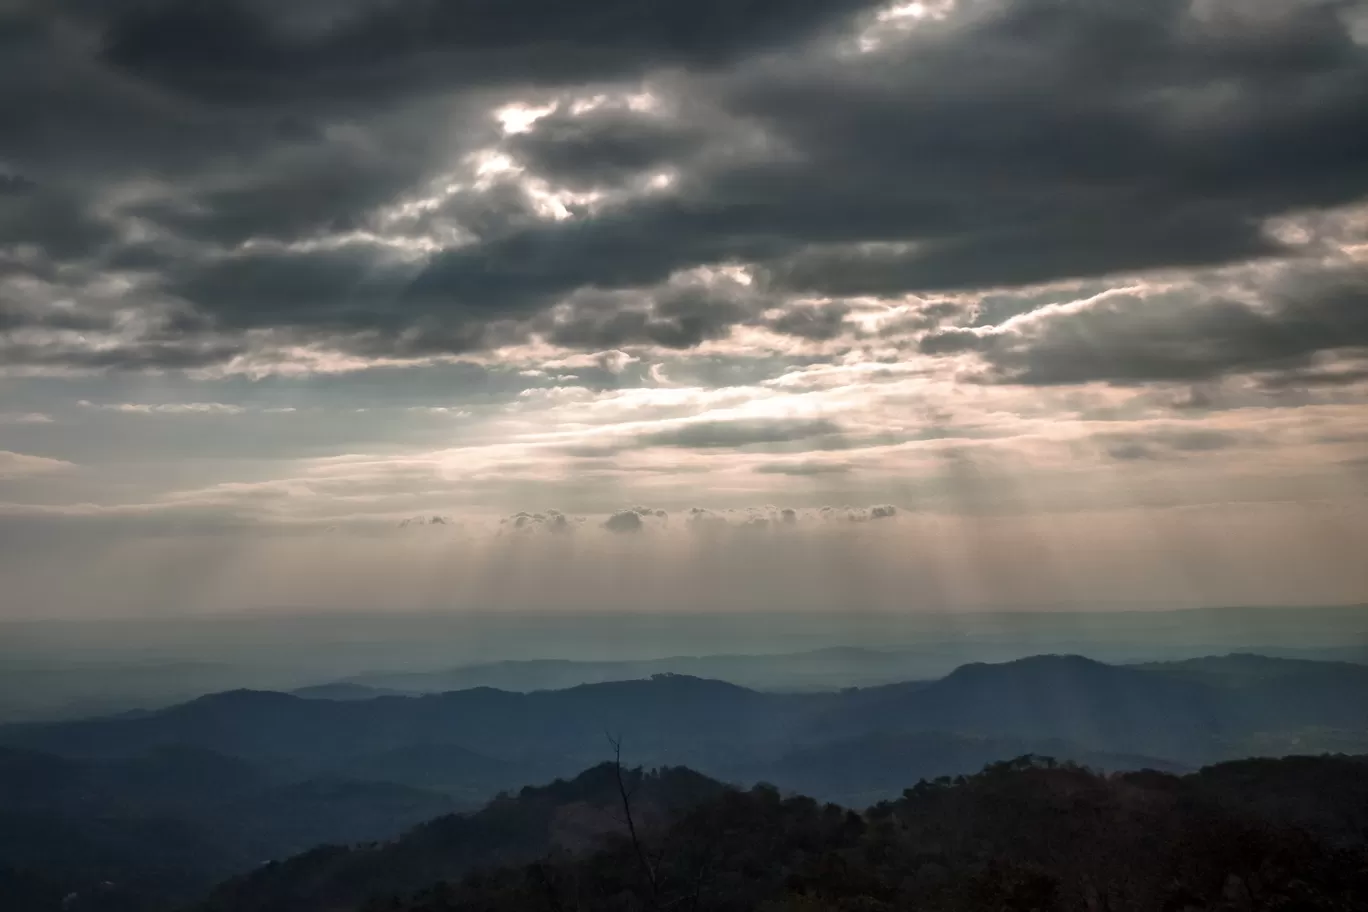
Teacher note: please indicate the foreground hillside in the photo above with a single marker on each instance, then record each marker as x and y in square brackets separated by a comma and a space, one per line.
[1287, 834]
[565, 817]
[1028, 834]
[148, 831]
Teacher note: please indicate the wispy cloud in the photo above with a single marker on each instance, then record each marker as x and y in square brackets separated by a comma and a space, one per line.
[167, 408]
[21, 465]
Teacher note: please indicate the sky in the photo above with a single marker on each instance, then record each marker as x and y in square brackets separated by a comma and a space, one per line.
[821, 305]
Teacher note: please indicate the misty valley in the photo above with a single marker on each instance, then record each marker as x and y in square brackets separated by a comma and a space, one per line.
[341, 796]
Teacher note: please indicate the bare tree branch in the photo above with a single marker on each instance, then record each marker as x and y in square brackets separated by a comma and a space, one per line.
[647, 869]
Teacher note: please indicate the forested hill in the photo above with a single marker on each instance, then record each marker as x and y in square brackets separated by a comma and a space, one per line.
[565, 817]
[1028, 834]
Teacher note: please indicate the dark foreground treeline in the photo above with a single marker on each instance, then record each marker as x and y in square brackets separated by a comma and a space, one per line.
[1029, 834]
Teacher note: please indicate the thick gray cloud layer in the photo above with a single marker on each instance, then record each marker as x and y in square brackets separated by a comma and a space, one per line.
[241, 50]
[266, 176]
[1129, 337]
[1079, 285]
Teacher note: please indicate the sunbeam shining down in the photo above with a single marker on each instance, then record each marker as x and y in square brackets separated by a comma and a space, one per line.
[403, 402]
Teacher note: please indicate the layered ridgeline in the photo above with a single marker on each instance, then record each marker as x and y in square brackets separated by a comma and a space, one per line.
[477, 741]
[51, 670]
[162, 804]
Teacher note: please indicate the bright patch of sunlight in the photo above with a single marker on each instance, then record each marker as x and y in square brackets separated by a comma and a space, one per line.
[896, 20]
[559, 204]
[903, 10]
[519, 118]
[490, 163]
[640, 102]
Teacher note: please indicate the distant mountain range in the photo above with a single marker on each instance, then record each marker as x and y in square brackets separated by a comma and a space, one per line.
[1185, 712]
[472, 743]
[222, 782]
[51, 669]
[816, 670]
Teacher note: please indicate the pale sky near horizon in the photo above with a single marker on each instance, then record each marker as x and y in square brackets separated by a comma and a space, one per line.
[797, 305]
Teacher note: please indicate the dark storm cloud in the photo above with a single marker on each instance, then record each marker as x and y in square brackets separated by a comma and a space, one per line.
[51, 219]
[1012, 142]
[282, 287]
[1195, 334]
[242, 51]
[741, 433]
[370, 300]
[602, 147]
[627, 247]
[817, 322]
[352, 296]
[15, 316]
[676, 318]
[1050, 143]
[327, 191]
[179, 353]
[1057, 245]
[68, 118]
[1052, 140]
